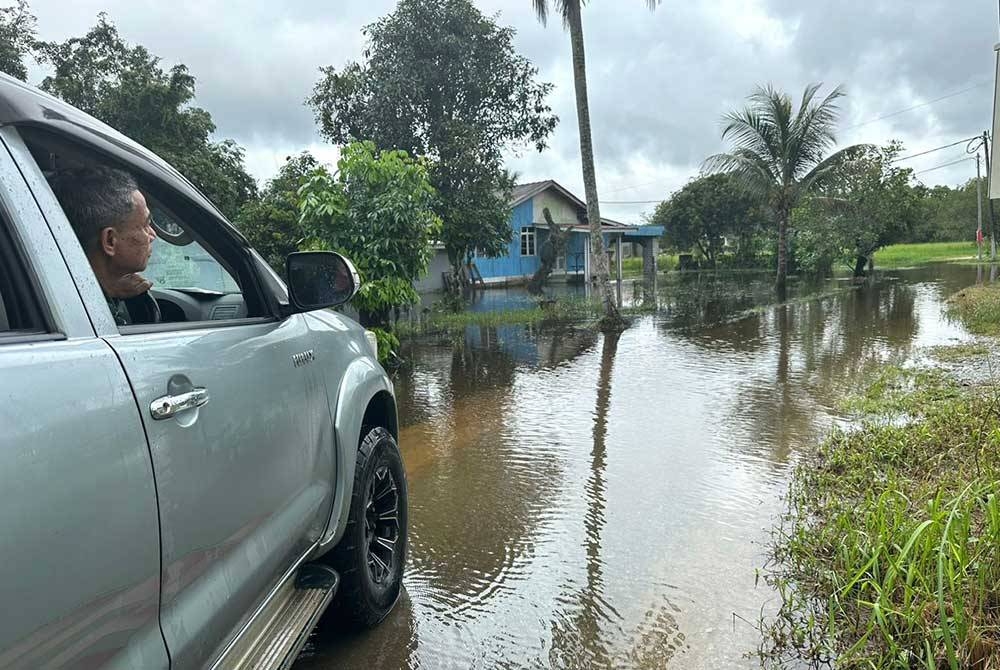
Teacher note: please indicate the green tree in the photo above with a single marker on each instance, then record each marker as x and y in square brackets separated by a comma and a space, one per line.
[378, 211]
[126, 87]
[779, 154]
[271, 223]
[443, 81]
[17, 38]
[874, 202]
[570, 11]
[949, 214]
[706, 211]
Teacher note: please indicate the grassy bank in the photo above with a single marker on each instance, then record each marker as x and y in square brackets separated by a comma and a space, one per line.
[907, 255]
[978, 307]
[889, 553]
[889, 556]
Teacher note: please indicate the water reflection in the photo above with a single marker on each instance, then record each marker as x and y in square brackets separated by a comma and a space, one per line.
[592, 502]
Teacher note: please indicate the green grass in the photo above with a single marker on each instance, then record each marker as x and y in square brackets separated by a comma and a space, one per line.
[559, 311]
[907, 255]
[633, 265]
[978, 308]
[889, 555]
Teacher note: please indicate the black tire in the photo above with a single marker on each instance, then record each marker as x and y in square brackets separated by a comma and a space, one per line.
[371, 573]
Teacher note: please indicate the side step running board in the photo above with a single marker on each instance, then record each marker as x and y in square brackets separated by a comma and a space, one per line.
[277, 633]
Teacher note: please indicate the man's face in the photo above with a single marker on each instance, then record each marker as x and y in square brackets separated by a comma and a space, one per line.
[132, 240]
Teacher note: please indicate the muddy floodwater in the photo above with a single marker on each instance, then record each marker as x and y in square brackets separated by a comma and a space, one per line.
[578, 501]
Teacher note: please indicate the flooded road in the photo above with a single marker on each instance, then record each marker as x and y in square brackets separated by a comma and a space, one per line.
[578, 501]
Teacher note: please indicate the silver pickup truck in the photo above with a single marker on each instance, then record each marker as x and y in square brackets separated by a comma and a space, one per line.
[191, 492]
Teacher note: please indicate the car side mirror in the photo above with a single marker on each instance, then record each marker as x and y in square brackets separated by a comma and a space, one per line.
[320, 279]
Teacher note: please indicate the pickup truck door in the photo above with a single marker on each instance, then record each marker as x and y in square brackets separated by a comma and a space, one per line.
[239, 428]
[79, 542]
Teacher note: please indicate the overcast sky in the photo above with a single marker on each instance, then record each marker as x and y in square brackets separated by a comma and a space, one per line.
[659, 81]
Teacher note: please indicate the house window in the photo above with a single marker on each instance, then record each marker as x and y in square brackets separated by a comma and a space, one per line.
[528, 241]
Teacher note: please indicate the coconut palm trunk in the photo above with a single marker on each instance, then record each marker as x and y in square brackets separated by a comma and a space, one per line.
[599, 259]
[780, 279]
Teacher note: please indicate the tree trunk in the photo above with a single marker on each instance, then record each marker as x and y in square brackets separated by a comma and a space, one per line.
[780, 282]
[859, 266]
[612, 317]
[549, 253]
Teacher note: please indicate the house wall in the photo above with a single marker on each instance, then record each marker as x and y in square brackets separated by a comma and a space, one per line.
[432, 281]
[562, 211]
[513, 264]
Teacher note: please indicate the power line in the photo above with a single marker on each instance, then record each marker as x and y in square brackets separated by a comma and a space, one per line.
[922, 104]
[938, 167]
[631, 202]
[929, 151]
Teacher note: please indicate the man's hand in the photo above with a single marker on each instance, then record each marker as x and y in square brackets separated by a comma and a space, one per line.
[129, 286]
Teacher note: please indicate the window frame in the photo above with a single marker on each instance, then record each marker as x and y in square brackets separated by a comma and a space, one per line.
[528, 241]
[212, 231]
[22, 290]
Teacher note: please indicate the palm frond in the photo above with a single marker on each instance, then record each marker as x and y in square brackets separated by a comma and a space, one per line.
[748, 130]
[541, 10]
[749, 170]
[813, 131]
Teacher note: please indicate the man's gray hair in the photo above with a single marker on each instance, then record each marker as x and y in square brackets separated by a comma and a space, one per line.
[93, 199]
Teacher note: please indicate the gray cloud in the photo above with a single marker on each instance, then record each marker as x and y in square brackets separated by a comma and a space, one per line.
[659, 81]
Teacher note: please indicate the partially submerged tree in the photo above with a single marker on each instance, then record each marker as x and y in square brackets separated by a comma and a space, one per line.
[779, 154]
[868, 203]
[570, 11]
[443, 81]
[17, 38]
[706, 211]
[126, 87]
[378, 211]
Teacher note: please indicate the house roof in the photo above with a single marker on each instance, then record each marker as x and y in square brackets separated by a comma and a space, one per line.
[527, 191]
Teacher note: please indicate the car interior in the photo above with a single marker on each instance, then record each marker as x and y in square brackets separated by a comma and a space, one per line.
[197, 276]
[19, 314]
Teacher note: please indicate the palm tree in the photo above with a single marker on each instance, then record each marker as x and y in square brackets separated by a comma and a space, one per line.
[778, 153]
[570, 12]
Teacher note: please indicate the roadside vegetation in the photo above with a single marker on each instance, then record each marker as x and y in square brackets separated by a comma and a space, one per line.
[978, 307]
[889, 553]
[908, 255]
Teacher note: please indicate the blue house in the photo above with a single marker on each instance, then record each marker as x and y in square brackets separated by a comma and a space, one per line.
[529, 232]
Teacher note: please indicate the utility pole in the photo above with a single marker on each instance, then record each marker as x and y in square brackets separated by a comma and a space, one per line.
[979, 211]
[993, 241]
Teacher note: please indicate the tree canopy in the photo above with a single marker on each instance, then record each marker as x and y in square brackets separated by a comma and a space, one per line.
[378, 211]
[443, 81]
[17, 38]
[126, 87]
[705, 212]
[271, 222]
[872, 202]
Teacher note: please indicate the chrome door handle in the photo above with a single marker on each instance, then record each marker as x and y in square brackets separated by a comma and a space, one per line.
[169, 405]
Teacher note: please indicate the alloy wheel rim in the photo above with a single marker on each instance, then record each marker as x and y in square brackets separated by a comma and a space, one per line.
[382, 525]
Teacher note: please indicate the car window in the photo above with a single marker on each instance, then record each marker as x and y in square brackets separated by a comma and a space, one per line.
[19, 312]
[199, 269]
[179, 262]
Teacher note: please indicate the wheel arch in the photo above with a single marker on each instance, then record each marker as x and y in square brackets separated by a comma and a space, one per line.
[365, 398]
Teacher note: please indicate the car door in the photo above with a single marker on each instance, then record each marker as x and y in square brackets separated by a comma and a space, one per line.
[244, 471]
[79, 541]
